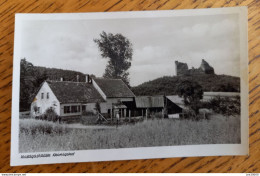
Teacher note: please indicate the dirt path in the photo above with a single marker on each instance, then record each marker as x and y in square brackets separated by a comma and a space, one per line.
[80, 126]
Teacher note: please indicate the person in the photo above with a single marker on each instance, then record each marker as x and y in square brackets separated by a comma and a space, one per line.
[117, 118]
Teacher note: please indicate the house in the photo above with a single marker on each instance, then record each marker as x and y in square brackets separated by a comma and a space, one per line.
[66, 98]
[69, 98]
[148, 105]
[117, 95]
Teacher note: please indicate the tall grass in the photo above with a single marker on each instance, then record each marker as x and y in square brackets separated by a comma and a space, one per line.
[157, 132]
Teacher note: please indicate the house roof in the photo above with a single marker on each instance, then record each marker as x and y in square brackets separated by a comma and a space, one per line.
[149, 101]
[114, 88]
[75, 92]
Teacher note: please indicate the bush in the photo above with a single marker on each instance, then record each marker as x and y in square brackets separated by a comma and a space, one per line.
[50, 115]
[225, 105]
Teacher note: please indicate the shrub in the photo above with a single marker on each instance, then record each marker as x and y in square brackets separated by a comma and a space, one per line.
[225, 105]
[50, 115]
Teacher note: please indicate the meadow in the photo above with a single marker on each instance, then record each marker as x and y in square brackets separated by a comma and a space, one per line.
[42, 136]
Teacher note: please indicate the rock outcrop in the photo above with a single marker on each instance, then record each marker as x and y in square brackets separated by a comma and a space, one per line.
[182, 69]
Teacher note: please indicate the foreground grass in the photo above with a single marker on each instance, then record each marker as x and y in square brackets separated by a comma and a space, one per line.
[40, 136]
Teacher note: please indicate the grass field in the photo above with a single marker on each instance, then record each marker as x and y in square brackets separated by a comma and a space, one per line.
[40, 136]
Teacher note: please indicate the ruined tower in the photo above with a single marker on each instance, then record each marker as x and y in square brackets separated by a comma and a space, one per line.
[206, 68]
[182, 69]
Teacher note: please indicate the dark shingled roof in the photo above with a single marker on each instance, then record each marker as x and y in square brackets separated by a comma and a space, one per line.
[114, 88]
[149, 101]
[75, 92]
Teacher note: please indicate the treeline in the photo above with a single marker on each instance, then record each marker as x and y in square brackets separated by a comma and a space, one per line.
[168, 84]
[31, 77]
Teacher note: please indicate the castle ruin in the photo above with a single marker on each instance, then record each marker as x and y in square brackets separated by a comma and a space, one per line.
[182, 69]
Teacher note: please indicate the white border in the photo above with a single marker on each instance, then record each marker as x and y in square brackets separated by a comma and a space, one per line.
[142, 152]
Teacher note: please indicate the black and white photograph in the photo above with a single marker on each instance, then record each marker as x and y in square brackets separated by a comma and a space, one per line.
[130, 80]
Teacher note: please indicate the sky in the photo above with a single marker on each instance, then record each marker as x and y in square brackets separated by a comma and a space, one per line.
[157, 44]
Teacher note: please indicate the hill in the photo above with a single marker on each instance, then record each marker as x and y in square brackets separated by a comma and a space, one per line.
[57, 74]
[168, 84]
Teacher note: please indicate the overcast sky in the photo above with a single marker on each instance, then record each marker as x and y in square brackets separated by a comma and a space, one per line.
[157, 43]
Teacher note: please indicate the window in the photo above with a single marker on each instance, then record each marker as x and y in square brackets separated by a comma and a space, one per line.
[75, 109]
[47, 95]
[83, 107]
[66, 109]
[42, 96]
[38, 110]
[71, 109]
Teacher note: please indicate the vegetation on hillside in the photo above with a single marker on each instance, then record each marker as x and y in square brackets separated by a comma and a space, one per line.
[168, 84]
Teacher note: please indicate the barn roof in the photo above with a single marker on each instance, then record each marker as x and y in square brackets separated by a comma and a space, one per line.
[177, 100]
[114, 88]
[75, 92]
[149, 101]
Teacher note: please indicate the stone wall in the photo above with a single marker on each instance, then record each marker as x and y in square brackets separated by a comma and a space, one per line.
[206, 67]
[182, 69]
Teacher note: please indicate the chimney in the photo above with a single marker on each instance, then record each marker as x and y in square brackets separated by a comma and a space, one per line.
[77, 78]
[61, 79]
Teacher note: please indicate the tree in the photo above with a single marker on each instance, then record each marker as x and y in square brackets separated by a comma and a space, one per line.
[26, 83]
[118, 49]
[192, 93]
[39, 78]
[30, 80]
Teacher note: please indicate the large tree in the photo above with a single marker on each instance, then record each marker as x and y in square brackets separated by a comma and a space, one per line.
[26, 83]
[192, 93]
[118, 49]
[30, 81]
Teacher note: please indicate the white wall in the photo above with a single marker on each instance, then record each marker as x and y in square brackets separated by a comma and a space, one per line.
[45, 103]
[91, 107]
[103, 107]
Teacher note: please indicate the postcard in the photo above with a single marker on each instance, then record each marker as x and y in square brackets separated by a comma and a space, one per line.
[129, 85]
